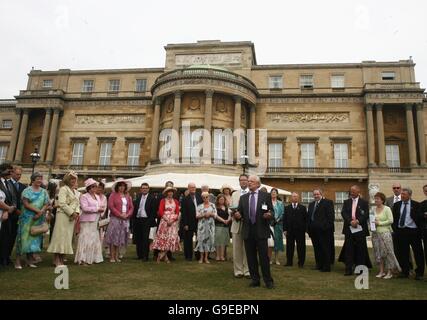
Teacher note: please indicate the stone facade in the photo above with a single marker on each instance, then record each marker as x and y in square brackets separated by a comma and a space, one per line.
[363, 107]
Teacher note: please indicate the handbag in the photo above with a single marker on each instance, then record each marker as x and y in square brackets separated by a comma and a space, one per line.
[39, 229]
[153, 232]
[103, 222]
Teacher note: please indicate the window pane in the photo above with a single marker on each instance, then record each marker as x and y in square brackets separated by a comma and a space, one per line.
[337, 81]
[105, 154]
[47, 83]
[6, 124]
[341, 155]
[306, 197]
[133, 154]
[393, 155]
[276, 82]
[114, 85]
[141, 85]
[306, 81]
[275, 155]
[87, 85]
[388, 75]
[78, 151]
[3, 153]
[308, 159]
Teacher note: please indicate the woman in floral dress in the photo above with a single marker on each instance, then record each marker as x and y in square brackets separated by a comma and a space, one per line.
[206, 214]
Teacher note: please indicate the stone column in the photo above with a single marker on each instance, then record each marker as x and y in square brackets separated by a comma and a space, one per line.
[207, 137]
[155, 133]
[176, 124]
[43, 143]
[251, 135]
[14, 136]
[370, 136]
[380, 136]
[237, 122]
[411, 135]
[53, 136]
[22, 136]
[421, 134]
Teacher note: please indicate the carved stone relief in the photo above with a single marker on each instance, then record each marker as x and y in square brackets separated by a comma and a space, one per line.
[107, 119]
[308, 117]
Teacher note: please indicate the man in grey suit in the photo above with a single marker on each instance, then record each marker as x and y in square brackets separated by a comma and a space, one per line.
[390, 201]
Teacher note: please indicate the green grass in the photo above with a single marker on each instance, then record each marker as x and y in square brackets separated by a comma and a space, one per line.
[133, 279]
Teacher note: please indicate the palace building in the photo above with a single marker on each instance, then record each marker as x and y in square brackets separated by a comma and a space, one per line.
[328, 125]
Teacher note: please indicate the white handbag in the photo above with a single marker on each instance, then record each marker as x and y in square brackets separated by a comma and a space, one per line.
[153, 232]
[103, 222]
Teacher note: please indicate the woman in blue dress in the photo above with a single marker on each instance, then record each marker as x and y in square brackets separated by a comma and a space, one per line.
[35, 202]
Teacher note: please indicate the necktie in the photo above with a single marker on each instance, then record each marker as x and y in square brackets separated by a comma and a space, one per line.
[353, 209]
[314, 210]
[403, 216]
[295, 206]
[252, 208]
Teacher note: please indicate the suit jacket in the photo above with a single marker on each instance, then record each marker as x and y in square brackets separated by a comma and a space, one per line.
[324, 216]
[415, 215]
[10, 192]
[18, 188]
[151, 206]
[262, 225]
[236, 225]
[188, 211]
[362, 214]
[295, 220]
[389, 202]
[423, 213]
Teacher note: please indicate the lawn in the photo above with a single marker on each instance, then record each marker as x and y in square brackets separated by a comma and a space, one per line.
[133, 279]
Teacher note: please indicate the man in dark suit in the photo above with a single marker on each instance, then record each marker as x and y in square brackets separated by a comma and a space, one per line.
[18, 188]
[320, 226]
[255, 209]
[145, 212]
[7, 236]
[188, 219]
[408, 227]
[355, 214]
[423, 213]
[295, 226]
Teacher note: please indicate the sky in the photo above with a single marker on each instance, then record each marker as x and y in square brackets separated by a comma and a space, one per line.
[77, 34]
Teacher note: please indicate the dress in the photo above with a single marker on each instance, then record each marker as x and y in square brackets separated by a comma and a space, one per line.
[62, 238]
[206, 229]
[25, 242]
[278, 227]
[118, 229]
[222, 233]
[167, 238]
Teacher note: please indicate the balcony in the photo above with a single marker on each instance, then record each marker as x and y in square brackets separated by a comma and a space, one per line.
[342, 173]
[392, 86]
[41, 93]
[101, 169]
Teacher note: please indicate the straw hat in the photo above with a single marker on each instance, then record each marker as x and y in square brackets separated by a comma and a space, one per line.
[121, 180]
[226, 186]
[169, 189]
[89, 182]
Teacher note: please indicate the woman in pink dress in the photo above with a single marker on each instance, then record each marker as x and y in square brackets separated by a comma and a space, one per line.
[167, 238]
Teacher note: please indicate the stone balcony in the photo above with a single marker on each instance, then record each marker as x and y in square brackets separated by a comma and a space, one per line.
[319, 173]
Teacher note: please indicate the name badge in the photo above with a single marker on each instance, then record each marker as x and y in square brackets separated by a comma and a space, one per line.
[264, 207]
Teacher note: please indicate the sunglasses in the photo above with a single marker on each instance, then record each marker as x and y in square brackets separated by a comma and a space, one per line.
[395, 188]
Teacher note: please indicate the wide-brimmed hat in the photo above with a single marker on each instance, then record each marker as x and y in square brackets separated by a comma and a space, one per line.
[89, 182]
[121, 180]
[169, 189]
[226, 186]
[68, 176]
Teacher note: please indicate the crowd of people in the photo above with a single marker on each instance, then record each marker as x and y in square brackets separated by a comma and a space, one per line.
[99, 225]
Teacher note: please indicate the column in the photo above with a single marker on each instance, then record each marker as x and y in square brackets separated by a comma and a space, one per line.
[53, 136]
[176, 125]
[380, 136]
[411, 135]
[155, 133]
[14, 137]
[251, 135]
[207, 136]
[370, 136]
[22, 136]
[237, 120]
[43, 143]
[421, 134]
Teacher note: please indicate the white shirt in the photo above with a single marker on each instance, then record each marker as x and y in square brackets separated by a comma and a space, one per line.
[244, 191]
[396, 199]
[124, 205]
[2, 199]
[141, 211]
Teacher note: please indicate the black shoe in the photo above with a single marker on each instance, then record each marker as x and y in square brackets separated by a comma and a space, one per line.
[288, 265]
[325, 270]
[188, 259]
[254, 284]
[301, 266]
[418, 277]
[269, 285]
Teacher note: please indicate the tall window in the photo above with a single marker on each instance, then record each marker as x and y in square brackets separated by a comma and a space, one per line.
[87, 86]
[134, 150]
[3, 153]
[166, 149]
[114, 85]
[306, 81]
[340, 197]
[78, 154]
[275, 155]
[341, 155]
[388, 75]
[6, 124]
[307, 197]
[392, 155]
[221, 146]
[308, 155]
[337, 81]
[275, 82]
[48, 83]
[192, 145]
[105, 153]
[141, 85]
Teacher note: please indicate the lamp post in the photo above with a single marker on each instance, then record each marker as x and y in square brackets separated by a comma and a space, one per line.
[245, 164]
[35, 157]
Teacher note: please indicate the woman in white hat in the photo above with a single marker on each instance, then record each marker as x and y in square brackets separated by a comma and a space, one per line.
[227, 190]
[206, 214]
[66, 215]
[167, 238]
[89, 248]
[121, 209]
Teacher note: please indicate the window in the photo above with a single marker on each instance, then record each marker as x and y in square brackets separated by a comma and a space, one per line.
[3, 153]
[388, 75]
[6, 124]
[275, 82]
[307, 197]
[48, 83]
[134, 149]
[105, 153]
[166, 149]
[341, 155]
[341, 196]
[114, 85]
[87, 86]
[308, 155]
[337, 81]
[141, 85]
[221, 146]
[192, 145]
[78, 153]
[275, 155]
[392, 155]
[306, 81]
[243, 146]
